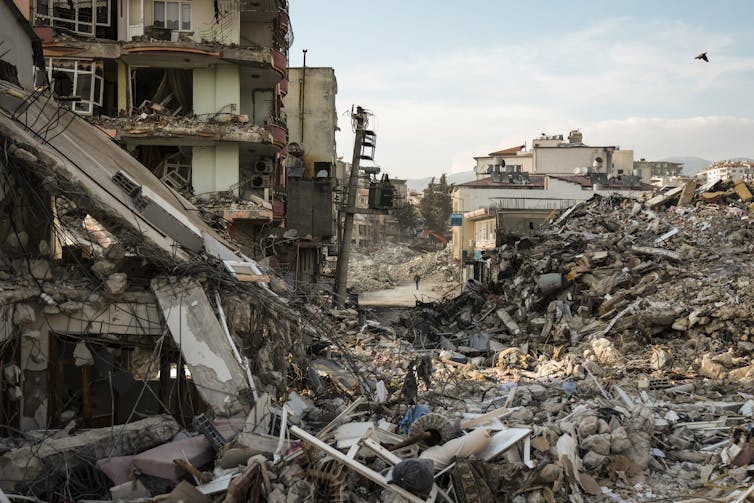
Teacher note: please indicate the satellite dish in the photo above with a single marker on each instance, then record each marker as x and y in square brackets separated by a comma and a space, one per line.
[290, 234]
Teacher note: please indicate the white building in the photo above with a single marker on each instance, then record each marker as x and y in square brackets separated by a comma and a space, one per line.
[551, 155]
[727, 171]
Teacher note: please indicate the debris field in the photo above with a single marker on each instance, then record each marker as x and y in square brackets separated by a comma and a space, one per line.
[609, 361]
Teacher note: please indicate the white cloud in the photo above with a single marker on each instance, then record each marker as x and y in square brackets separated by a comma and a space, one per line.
[713, 137]
[621, 81]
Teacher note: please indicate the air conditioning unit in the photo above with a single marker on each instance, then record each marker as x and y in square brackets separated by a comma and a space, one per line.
[263, 167]
[260, 182]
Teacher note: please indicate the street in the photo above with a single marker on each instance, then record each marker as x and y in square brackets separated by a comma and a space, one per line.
[430, 289]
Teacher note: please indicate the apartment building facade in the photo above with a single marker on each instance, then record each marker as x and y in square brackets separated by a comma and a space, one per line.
[192, 88]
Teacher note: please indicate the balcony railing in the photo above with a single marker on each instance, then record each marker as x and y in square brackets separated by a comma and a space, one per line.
[279, 134]
[279, 61]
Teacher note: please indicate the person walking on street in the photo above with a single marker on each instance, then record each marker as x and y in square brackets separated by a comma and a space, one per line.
[416, 279]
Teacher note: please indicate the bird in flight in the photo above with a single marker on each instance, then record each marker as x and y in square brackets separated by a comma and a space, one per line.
[703, 56]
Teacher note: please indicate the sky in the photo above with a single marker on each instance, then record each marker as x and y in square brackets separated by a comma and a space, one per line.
[448, 81]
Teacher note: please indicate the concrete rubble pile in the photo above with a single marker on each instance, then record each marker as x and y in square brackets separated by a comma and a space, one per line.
[127, 326]
[610, 363]
[146, 359]
[618, 338]
[393, 264]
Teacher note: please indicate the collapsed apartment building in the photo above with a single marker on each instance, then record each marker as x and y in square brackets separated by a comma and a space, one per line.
[196, 91]
[118, 301]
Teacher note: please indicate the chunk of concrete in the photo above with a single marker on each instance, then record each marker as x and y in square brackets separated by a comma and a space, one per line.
[606, 352]
[103, 268]
[205, 347]
[128, 491]
[599, 443]
[588, 426]
[23, 314]
[116, 283]
[29, 463]
[619, 441]
[592, 460]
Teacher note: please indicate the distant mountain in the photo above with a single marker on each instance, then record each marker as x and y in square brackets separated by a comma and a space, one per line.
[419, 184]
[691, 165]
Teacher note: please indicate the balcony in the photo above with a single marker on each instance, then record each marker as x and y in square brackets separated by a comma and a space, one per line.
[159, 129]
[279, 62]
[283, 86]
[279, 134]
[262, 10]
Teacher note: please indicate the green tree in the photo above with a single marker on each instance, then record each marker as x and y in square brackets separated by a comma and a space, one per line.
[408, 219]
[436, 205]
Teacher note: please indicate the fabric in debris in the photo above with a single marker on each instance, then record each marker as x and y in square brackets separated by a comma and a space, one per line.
[412, 414]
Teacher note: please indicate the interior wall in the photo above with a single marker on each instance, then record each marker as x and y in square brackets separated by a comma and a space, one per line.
[214, 168]
[217, 90]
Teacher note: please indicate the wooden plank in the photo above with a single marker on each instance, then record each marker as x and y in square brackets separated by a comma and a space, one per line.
[476, 421]
[362, 470]
[240, 489]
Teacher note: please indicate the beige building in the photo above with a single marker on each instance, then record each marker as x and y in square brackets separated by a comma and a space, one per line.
[312, 117]
[552, 155]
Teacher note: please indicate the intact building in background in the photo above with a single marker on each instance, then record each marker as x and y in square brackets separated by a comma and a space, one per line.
[727, 171]
[655, 169]
[551, 155]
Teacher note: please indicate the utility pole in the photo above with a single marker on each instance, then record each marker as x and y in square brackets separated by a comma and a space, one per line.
[359, 119]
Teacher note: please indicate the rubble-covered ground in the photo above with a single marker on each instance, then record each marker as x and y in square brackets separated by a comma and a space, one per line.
[610, 362]
[393, 263]
[619, 337]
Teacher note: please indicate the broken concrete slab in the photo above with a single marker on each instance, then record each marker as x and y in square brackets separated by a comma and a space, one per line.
[198, 451]
[198, 334]
[30, 463]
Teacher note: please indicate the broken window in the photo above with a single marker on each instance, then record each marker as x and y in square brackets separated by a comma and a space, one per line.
[81, 79]
[81, 16]
[173, 15]
[163, 91]
[102, 380]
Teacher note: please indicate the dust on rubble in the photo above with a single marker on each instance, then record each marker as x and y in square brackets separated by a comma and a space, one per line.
[610, 361]
[392, 264]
